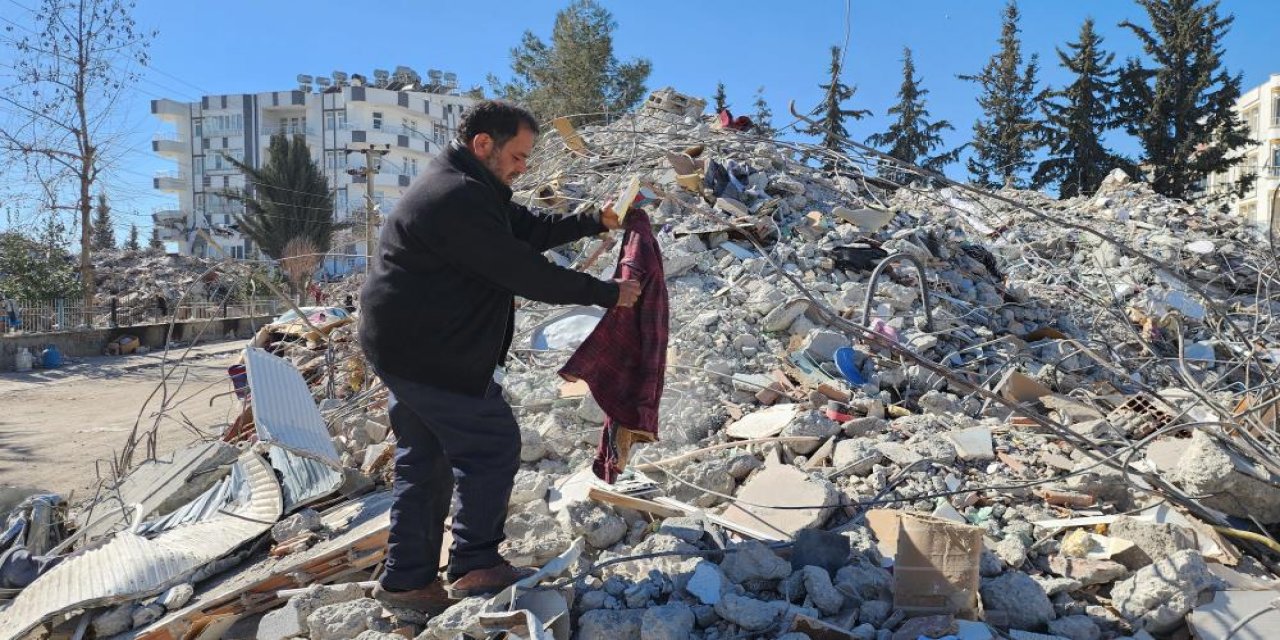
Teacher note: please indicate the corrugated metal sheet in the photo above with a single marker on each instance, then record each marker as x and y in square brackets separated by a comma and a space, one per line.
[130, 566]
[155, 483]
[304, 480]
[284, 412]
[206, 506]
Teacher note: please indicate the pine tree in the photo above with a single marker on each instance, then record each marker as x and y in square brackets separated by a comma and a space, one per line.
[577, 72]
[155, 243]
[1076, 118]
[722, 100]
[132, 243]
[1007, 136]
[911, 137]
[1182, 109]
[764, 116]
[104, 235]
[830, 126]
[291, 199]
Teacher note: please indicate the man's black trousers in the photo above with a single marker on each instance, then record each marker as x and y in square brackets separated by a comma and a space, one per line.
[443, 437]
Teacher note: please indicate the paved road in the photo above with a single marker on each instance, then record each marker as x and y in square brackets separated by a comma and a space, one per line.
[54, 425]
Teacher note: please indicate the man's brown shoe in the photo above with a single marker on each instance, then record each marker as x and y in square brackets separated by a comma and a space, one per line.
[431, 599]
[483, 582]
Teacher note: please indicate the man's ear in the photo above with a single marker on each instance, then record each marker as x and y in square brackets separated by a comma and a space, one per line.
[482, 145]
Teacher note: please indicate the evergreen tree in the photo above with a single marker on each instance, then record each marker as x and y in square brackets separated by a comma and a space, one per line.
[35, 268]
[1076, 118]
[132, 243]
[911, 137]
[104, 236]
[291, 199]
[577, 72]
[764, 116]
[722, 100]
[1182, 109]
[155, 243]
[1007, 136]
[830, 125]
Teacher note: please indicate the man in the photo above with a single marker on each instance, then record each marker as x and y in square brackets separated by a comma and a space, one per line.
[437, 318]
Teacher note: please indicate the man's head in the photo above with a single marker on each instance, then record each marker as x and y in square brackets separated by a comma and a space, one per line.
[501, 135]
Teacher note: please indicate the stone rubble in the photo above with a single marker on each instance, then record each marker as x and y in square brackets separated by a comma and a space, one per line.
[829, 424]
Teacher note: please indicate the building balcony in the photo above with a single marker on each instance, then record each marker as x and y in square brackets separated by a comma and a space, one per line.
[170, 146]
[169, 218]
[288, 130]
[170, 181]
[170, 110]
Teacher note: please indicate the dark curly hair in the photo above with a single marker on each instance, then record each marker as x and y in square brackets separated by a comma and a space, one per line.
[500, 119]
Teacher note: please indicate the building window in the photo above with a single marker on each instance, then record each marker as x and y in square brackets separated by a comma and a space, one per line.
[1275, 161]
[412, 166]
[377, 120]
[335, 159]
[237, 253]
[226, 182]
[410, 126]
[440, 132]
[426, 107]
[197, 125]
[206, 181]
[330, 121]
[197, 166]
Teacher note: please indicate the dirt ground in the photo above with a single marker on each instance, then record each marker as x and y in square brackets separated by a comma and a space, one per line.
[55, 424]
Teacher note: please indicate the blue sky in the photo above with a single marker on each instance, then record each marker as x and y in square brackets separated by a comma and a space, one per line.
[237, 46]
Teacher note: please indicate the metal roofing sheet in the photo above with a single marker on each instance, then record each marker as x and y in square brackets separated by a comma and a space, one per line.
[153, 484]
[304, 480]
[284, 413]
[128, 566]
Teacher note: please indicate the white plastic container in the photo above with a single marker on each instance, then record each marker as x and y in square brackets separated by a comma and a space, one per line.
[24, 360]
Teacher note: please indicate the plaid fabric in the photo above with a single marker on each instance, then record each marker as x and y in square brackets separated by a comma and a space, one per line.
[624, 360]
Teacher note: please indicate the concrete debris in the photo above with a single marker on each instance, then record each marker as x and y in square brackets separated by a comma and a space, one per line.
[293, 619]
[790, 410]
[1157, 597]
[1020, 600]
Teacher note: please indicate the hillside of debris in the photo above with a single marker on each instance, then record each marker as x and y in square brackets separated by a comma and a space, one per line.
[895, 408]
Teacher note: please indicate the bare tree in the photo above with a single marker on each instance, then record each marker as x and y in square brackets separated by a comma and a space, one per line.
[70, 67]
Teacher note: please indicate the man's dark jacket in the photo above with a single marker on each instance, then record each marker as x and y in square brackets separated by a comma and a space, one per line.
[437, 307]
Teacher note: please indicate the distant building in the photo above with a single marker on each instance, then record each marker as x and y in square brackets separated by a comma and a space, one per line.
[1260, 110]
[416, 118]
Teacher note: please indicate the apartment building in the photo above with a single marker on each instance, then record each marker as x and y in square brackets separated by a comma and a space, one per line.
[1260, 110]
[413, 117]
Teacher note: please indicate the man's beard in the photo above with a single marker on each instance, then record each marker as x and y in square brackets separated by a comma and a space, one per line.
[491, 163]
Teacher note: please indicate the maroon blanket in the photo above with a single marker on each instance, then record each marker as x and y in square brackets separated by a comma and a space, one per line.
[624, 359]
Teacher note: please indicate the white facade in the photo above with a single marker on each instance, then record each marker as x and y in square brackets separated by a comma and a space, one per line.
[415, 123]
[1260, 110]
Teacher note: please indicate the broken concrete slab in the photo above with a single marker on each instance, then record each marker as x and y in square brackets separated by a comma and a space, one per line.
[1231, 483]
[973, 444]
[1020, 599]
[1157, 597]
[764, 423]
[782, 485]
[1236, 615]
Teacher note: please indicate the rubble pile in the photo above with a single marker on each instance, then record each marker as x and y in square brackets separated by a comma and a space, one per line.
[894, 409]
[136, 279]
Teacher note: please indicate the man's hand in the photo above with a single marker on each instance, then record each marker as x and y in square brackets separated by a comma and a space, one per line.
[609, 217]
[628, 292]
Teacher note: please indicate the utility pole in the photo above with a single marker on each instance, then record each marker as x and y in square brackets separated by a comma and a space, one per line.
[372, 161]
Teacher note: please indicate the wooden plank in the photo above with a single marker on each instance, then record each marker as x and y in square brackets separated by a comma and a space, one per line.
[639, 504]
[572, 139]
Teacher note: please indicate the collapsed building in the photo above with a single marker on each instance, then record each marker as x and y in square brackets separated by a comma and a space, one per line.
[895, 408]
